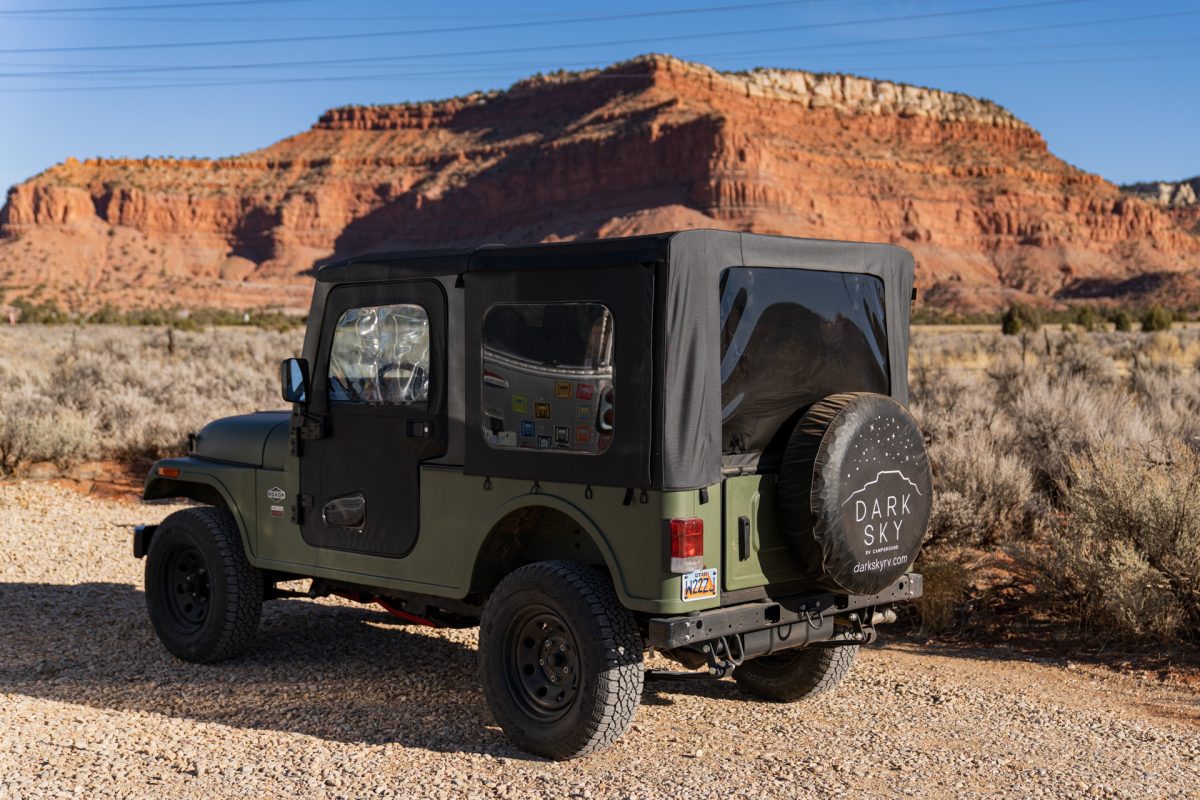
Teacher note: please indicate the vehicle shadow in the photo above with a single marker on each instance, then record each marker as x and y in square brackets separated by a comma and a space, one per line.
[336, 673]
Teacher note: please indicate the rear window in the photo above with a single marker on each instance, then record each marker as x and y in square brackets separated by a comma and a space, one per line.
[548, 377]
[788, 338]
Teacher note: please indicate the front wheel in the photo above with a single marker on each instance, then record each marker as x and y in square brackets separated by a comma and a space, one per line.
[560, 659]
[203, 596]
[796, 674]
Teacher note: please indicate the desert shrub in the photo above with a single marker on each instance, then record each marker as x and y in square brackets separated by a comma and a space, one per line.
[1053, 421]
[945, 586]
[1080, 358]
[1008, 375]
[137, 396]
[1157, 319]
[1018, 318]
[1126, 555]
[1122, 320]
[31, 429]
[982, 496]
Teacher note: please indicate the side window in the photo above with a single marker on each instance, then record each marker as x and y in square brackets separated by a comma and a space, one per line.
[380, 355]
[548, 376]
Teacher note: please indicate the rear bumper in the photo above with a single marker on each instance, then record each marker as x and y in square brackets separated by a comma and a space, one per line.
[796, 620]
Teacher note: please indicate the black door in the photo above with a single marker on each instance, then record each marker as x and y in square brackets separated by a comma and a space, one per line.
[379, 398]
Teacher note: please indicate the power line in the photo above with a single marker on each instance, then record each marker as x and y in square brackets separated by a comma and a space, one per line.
[602, 76]
[527, 67]
[958, 35]
[375, 18]
[149, 7]
[539, 23]
[621, 42]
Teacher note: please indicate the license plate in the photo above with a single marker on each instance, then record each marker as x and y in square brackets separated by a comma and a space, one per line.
[700, 585]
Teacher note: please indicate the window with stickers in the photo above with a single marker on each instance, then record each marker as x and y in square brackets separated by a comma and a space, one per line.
[548, 377]
[380, 356]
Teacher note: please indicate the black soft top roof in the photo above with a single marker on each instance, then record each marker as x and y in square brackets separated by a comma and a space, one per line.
[455, 261]
[676, 276]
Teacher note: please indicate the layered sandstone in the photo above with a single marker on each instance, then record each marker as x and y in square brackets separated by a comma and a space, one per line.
[647, 145]
[1181, 199]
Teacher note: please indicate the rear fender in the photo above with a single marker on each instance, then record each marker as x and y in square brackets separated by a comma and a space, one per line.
[503, 551]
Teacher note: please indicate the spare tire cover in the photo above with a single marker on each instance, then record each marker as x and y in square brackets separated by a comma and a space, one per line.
[855, 492]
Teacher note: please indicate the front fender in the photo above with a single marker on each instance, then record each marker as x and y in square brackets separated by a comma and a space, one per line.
[228, 486]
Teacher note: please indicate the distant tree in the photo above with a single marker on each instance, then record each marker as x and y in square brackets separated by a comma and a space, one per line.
[1122, 320]
[1019, 318]
[47, 313]
[1157, 319]
[106, 315]
[1086, 318]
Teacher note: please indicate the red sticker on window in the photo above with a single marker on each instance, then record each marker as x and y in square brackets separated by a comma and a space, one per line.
[583, 433]
[584, 391]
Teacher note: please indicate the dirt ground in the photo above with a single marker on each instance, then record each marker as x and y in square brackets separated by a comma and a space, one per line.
[337, 701]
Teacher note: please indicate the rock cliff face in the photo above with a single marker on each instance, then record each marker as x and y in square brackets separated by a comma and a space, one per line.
[1181, 199]
[646, 145]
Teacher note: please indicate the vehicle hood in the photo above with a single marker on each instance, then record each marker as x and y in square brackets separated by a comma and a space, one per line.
[241, 439]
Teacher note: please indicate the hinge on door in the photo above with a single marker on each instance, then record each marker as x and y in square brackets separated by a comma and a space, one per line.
[304, 427]
[302, 502]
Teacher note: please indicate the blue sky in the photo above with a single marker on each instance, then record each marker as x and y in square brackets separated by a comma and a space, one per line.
[1111, 84]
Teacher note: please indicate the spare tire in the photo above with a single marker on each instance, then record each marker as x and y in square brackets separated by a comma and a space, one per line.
[855, 492]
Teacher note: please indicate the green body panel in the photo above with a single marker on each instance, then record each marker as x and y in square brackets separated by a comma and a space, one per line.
[240, 440]
[457, 516]
[770, 561]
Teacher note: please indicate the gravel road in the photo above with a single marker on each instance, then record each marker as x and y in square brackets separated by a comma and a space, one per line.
[337, 701]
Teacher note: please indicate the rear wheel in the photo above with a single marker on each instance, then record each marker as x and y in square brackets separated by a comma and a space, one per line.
[560, 659]
[796, 674]
[203, 596]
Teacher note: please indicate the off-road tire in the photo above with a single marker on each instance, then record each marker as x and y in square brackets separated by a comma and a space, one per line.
[796, 674]
[203, 546]
[602, 650]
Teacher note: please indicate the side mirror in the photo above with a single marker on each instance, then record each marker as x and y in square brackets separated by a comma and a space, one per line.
[293, 376]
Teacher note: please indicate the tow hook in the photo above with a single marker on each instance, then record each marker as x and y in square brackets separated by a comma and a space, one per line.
[721, 660]
[861, 627]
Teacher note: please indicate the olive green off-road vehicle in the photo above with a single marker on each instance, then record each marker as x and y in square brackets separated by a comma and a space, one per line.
[694, 443]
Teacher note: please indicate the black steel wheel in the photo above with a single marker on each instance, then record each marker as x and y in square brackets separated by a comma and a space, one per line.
[544, 670]
[203, 596]
[560, 658]
[796, 674]
[185, 577]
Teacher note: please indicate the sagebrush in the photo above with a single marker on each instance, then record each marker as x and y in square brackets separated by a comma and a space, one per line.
[1069, 459]
[74, 394]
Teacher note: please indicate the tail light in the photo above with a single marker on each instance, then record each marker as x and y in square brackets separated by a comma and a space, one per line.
[687, 545]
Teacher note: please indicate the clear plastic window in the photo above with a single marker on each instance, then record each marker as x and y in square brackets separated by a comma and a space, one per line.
[380, 355]
[548, 377]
